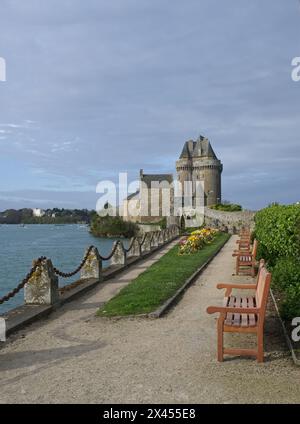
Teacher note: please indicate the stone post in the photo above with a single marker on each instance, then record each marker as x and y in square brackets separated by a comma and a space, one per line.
[155, 239]
[93, 266]
[42, 287]
[165, 235]
[147, 245]
[160, 238]
[152, 237]
[119, 257]
[135, 248]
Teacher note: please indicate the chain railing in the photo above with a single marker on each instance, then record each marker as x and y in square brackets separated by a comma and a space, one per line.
[107, 258]
[130, 246]
[20, 286]
[71, 274]
[42, 259]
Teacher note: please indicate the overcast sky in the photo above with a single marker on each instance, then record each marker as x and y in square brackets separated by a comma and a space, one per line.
[99, 87]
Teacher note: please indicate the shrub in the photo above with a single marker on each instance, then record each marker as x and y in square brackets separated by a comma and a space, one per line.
[227, 207]
[290, 304]
[277, 229]
[112, 226]
[286, 279]
[286, 273]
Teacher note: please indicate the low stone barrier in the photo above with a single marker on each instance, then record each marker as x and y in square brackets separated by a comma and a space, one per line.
[119, 257]
[41, 285]
[231, 222]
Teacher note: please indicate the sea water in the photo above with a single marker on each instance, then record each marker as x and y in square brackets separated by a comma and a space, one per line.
[65, 245]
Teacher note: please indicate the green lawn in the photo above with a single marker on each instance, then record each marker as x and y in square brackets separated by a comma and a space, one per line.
[159, 282]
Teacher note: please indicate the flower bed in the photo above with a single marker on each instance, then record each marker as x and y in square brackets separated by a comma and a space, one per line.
[160, 281]
[196, 241]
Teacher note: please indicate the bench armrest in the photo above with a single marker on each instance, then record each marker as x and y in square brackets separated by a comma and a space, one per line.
[227, 309]
[235, 286]
[242, 252]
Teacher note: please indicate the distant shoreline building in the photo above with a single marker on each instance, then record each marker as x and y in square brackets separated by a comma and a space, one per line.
[38, 213]
[197, 163]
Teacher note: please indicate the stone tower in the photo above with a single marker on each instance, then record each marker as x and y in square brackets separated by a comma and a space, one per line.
[198, 161]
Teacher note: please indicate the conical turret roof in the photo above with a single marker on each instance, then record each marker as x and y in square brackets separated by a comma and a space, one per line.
[199, 148]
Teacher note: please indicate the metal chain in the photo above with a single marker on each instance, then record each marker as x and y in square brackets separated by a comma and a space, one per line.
[107, 258]
[71, 274]
[130, 246]
[143, 240]
[16, 290]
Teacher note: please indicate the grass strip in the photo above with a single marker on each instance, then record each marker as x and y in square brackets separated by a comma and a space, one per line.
[159, 282]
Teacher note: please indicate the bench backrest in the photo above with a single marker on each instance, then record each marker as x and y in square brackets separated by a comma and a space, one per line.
[262, 264]
[254, 249]
[262, 290]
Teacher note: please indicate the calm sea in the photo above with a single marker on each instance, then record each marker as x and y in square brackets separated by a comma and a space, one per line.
[64, 244]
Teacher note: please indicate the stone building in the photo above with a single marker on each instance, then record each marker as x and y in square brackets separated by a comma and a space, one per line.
[198, 162]
[146, 205]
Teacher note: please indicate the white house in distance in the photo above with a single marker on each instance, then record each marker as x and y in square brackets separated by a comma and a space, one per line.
[38, 213]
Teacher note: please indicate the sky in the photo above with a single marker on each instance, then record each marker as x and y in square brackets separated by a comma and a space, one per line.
[100, 87]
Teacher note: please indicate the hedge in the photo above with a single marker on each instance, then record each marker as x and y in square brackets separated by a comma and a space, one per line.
[277, 228]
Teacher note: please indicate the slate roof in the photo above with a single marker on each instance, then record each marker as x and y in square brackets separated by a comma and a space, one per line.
[132, 195]
[148, 178]
[199, 148]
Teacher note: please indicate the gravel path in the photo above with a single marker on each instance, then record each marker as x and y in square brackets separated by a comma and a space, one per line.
[76, 357]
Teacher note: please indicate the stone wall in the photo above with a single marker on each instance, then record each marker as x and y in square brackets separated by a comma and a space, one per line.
[229, 221]
[146, 228]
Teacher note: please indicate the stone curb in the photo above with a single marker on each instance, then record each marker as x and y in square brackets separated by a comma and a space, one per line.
[288, 340]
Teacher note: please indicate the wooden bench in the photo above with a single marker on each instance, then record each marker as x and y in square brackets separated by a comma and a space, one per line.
[246, 260]
[244, 241]
[243, 314]
[243, 245]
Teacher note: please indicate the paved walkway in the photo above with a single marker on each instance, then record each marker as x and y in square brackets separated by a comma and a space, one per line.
[76, 357]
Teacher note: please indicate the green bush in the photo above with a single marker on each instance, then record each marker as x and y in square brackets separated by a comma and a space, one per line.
[290, 304]
[286, 280]
[112, 226]
[277, 229]
[227, 207]
[286, 273]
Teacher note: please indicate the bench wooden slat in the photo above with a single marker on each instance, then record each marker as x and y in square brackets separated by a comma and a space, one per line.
[244, 321]
[229, 317]
[237, 317]
[252, 321]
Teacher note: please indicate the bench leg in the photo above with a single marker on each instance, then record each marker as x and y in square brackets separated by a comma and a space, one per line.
[260, 346]
[220, 339]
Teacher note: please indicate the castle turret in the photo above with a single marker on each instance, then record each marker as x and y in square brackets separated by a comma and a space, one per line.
[199, 162]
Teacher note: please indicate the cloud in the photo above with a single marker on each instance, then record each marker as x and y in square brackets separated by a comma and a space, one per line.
[98, 88]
